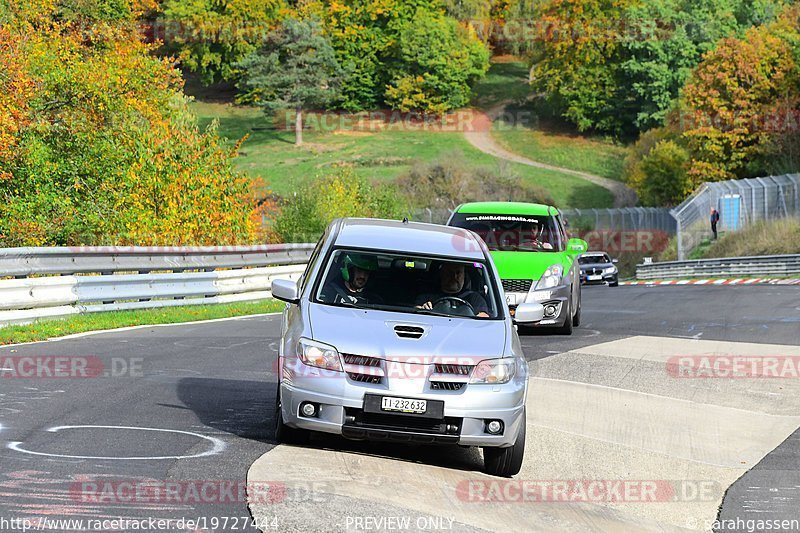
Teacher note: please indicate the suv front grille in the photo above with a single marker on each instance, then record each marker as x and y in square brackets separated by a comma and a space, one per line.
[446, 385]
[517, 285]
[365, 378]
[363, 361]
[458, 370]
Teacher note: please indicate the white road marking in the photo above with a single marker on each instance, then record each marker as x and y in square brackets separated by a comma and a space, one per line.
[218, 445]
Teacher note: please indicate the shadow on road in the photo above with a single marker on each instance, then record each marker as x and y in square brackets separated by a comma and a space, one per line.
[242, 408]
[245, 409]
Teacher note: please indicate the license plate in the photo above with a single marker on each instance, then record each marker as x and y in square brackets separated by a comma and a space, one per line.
[511, 299]
[594, 278]
[404, 405]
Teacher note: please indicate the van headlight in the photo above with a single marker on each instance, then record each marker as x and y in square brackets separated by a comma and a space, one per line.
[494, 371]
[551, 277]
[319, 355]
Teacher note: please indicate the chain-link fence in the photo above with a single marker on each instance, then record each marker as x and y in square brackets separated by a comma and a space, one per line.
[623, 219]
[740, 203]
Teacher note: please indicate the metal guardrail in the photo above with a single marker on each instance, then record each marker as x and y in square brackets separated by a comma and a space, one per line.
[52, 282]
[770, 265]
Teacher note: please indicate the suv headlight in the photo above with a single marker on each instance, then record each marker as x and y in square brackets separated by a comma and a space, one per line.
[494, 371]
[320, 355]
[551, 277]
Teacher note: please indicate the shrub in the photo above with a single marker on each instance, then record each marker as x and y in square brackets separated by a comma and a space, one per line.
[446, 183]
[304, 215]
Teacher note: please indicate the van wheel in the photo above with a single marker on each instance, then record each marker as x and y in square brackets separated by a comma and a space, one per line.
[506, 462]
[283, 433]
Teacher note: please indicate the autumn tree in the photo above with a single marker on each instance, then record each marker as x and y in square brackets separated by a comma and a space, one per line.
[295, 69]
[733, 102]
[99, 146]
[737, 116]
[618, 65]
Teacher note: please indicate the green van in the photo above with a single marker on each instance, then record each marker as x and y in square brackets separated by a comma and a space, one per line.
[536, 260]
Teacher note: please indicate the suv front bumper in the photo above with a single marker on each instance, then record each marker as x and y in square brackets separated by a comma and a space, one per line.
[341, 411]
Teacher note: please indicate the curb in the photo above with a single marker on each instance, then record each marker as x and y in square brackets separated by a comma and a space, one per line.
[737, 281]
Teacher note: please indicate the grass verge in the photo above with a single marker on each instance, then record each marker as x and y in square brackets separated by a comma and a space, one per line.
[568, 151]
[51, 328]
[379, 154]
[770, 237]
[538, 132]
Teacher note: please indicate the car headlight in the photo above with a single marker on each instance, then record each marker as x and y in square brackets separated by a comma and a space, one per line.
[494, 371]
[610, 270]
[551, 277]
[320, 355]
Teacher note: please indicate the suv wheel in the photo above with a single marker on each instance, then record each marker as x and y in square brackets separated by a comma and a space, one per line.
[506, 462]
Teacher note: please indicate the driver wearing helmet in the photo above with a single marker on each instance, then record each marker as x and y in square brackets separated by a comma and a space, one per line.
[451, 285]
[351, 288]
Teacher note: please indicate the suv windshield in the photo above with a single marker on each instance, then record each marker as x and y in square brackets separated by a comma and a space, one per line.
[593, 259]
[515, 233]
[408, 284]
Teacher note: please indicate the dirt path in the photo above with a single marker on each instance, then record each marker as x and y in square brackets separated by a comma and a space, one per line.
[482, 139]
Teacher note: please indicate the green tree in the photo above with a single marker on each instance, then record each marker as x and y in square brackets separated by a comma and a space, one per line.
[665, 39]
[665, 179]
[573, 53]
[210, 37]
[367, 35]
[295, 69]
[434, 64]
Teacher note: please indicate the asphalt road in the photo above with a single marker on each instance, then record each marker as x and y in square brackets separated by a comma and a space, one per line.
[192, 409]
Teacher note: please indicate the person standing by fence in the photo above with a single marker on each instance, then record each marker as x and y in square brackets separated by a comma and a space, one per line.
[714, 221]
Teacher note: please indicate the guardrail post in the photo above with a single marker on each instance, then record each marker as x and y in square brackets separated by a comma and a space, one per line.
[680, 241]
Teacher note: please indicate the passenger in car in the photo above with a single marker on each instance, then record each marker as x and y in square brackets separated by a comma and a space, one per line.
[452, 286]
[351, 286]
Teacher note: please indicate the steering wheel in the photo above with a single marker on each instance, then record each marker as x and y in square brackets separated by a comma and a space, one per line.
[455, 300]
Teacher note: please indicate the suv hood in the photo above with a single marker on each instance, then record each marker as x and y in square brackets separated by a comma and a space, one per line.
[526, 265]
[371, 333]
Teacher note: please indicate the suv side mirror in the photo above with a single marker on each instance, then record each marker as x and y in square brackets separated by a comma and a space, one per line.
[577, 246]
[285, 290]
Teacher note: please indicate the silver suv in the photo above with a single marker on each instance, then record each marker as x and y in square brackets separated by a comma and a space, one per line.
[399, 331]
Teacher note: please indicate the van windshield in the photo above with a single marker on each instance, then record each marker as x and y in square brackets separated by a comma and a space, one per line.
[409, 284]
[513, 233]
